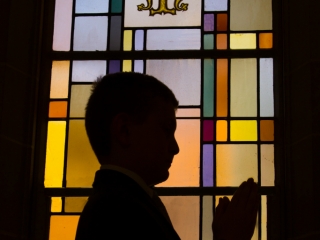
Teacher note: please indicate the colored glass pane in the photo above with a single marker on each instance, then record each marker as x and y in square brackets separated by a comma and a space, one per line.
[243, 87]
[207, 130]
[264, 218]
[186, 173]
[208, 41]
[55, 154]
[135, 18]
[236, 163]
[222, 87]
[58, 109]
[188, 112]
[127, 66]
[266, 87]
[92, 6]
[116, 6]
[222, 131]
[250, 15]
[208, 22]
[222, 22]
[56, 204]
[59, 79]
[207, 165]
[208, 87]
[266, 130]
[81, 162]
[90, 33]
[265, 40]
[182, 76]
[115, 33]
[222, 41]
[207, 217]
[184, 214]
[88, 71]
[138, 41]
[79, 98]
[75, 204]
[138, 66]
[173, 39]
[62, 25]
[216, 5]
[243, 41]
[267, 165]
[114, 66]
[127, 40]
[243, 130]
[63, 227]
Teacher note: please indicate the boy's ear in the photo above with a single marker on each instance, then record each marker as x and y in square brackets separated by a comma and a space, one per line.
[120, 129]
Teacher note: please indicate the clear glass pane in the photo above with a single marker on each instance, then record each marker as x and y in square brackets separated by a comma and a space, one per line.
[186, 173]
[127, 40]
[216, 5]
[208, 41]
[92, 6]
[250, 15]
[90, 33]
[62, 25]
[182, 76]
[115, 33]
[139, 40]
[56, 204]
[208, 87]
[82, 163]
[184, 214]
[222, 87]
[207, 165]
[267, 165]
[58, 109]
[59, 79]
[75, 204]
[63, 227]
[55, 154]
[207, 217]
[208, 22]
[243, 130]
[88, 71]
[79, 97]
[243, 84]
[138, 66]
[236, 163]
[222, 131]
[243, 41]
[173, 39]
[188, 112]
[266, 87]
[135, 18]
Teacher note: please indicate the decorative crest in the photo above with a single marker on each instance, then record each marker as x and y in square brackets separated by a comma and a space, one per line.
[163, 7]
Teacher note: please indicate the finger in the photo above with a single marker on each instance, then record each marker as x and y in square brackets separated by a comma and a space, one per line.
[252, 199]
[219, 209]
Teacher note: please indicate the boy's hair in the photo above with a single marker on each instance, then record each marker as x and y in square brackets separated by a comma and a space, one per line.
[131, 93]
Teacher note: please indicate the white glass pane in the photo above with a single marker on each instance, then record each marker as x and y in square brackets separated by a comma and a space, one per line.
[173, 39]
[88, 71]
[182, 76]
[266, 87]
[250, 15]
[207, 217]
[90, 33]
[79, 97]
[267, 165]
[135, 18]
[216, 5]
[138, 66]
[243, 87]
[138, 41]
[62, 25]
[92, 6]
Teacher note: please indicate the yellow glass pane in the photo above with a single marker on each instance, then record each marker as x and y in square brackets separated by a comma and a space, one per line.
[266, 130]
[263, 217]
[63, 227]
[82, 162]
[243, 87]
[265, 40]
[126, 66]
[79, 98]
[243, 130]
[222, 87]
[58, 109]
[243, 41]
[59, 79]
[222, 41]
[185, 173]
[127, 40]
[188, 112]
[267, 165]
[222, 131]
[236, 163]
[184, 214]
[207, 217]
[75, 204]
[55, 154]
[56, 204]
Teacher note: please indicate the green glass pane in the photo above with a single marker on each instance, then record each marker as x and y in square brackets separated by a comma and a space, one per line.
[208, 69]
[116, 6]
[208, 41]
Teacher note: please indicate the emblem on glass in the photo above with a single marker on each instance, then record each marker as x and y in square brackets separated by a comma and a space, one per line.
[163, 7]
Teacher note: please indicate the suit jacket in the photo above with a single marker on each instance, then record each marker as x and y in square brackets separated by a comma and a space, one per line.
[120, 209]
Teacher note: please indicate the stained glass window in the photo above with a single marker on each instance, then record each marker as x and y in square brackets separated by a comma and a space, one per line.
[217, 57]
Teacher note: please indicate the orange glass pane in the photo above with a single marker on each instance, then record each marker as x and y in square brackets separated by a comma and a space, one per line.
[265, 40]
[222, 41]
[59, 79]
[266, 130]
[222, 87]
[188, 112]
[75, 204]
[222, 131]
[63, 227]
[58, 109]
[222, 22]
